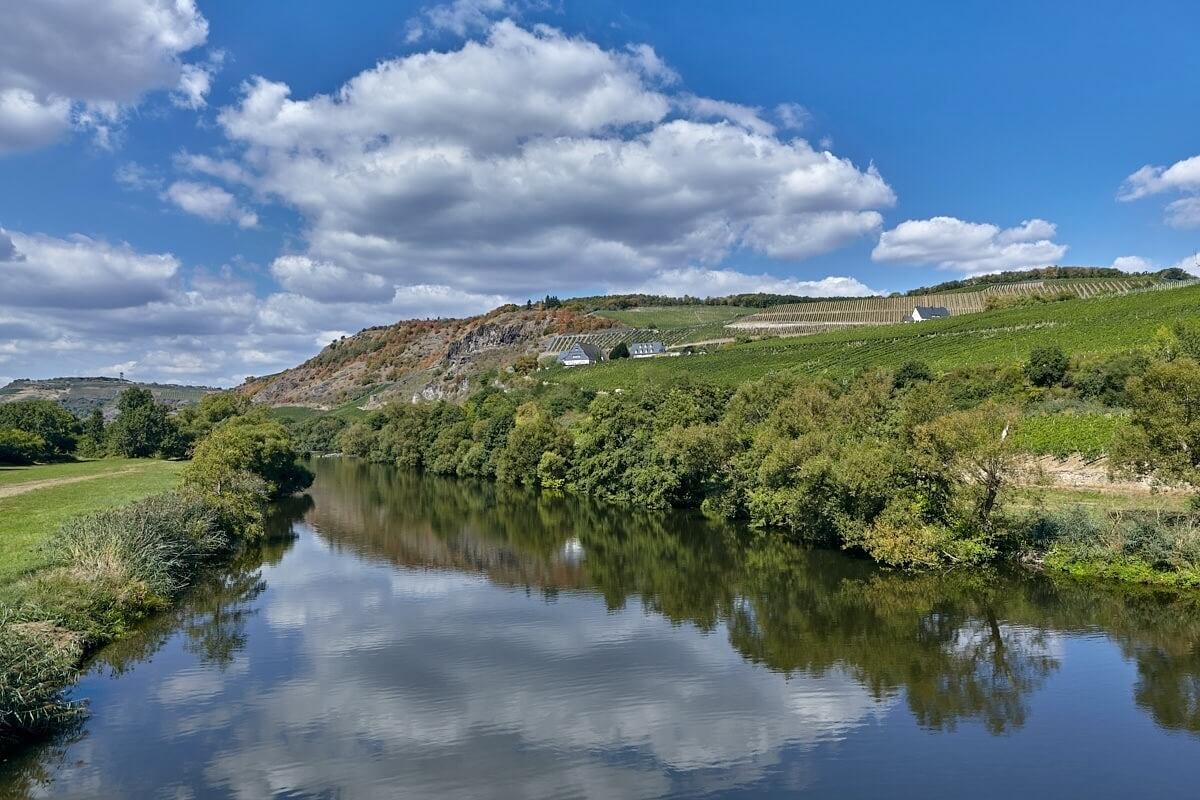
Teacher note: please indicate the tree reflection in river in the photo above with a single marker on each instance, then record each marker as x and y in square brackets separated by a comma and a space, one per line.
[957, 646]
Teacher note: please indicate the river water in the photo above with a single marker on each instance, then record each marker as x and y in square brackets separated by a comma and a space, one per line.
[403, 636]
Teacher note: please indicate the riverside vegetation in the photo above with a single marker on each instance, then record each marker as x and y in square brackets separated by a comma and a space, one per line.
[910, 467]
[104, 571]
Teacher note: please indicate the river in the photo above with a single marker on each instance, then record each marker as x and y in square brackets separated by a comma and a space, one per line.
[404, 636]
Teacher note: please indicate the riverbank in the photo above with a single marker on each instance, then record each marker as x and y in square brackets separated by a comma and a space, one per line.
[99, 573]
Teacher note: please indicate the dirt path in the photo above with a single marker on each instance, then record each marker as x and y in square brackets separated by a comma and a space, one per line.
[33, 486]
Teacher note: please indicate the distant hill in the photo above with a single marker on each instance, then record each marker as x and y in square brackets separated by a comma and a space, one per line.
[81, 395]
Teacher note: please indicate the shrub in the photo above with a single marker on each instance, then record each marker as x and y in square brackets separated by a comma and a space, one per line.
[247, 445]
[911, 372]
[620, 351]
[1047, 366]
[1140, 547]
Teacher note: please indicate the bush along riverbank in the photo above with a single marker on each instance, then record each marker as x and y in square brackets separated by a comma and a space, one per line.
[909, 468]
[112, 568]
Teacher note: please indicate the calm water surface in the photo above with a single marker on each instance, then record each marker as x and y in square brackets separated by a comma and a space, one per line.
[410, 637]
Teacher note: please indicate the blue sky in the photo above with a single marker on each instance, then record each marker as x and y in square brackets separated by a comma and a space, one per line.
[197, 192]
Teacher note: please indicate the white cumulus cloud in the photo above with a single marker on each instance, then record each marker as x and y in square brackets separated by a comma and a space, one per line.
[328, 282]
[532, 160]
[210, 202]
[1184, 213]
[65, 63]
[970, 246]
[700, 282]
[460, 17]
[1132, 264]
[1182, 176]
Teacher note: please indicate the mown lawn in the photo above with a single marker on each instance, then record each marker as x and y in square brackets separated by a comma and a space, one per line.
[11, 476]
[27, 520]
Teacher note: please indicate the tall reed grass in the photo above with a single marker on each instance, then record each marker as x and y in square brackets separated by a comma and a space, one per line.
[111, 568]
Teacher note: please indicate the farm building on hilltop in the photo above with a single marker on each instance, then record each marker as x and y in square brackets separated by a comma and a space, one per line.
[646, 349]
[922, 313]
[580, 354]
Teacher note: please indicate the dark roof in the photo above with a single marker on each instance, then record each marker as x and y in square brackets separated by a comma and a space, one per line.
[646, 348]
[933, 311]
[580, 350]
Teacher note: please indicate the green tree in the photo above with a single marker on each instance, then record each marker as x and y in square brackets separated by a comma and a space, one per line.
[356, 440]
[20, 447]
[533, 436]
[1047, 366]
[242, 465]
[144, 428]
[91, 443]
[319, 434]
[45, 419]
[214, 408]
[620, 351]
[257, 446]
[1163, 439]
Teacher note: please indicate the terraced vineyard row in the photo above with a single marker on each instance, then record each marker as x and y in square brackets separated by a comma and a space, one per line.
[831, 315]
[608, 339]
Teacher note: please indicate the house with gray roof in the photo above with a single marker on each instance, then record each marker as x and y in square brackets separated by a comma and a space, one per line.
[646, 349]
[580, 354]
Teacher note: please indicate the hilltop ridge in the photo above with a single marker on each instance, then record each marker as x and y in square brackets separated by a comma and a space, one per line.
[80, 395]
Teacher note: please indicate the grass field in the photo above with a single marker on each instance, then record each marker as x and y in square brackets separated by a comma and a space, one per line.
[1094, 325]
[676, 316]
[26, 520]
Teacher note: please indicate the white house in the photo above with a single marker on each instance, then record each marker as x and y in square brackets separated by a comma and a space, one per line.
[646, 349]
[580, 354]
[923, 313]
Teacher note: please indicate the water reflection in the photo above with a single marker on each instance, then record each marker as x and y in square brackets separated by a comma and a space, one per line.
[428, 638]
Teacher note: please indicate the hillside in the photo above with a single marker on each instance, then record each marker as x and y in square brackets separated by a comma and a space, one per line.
[81, 395]
[419, 358]
[1102, 324]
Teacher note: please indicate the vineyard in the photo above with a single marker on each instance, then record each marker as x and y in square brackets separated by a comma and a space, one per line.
[667, 317]
[610, 338]
[834, 315]
[1102, 324]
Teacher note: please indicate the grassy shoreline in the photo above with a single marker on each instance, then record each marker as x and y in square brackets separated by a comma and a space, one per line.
[27, 520]
[86, 560]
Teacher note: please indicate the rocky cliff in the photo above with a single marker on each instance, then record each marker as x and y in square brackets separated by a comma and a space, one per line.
[430, 359]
